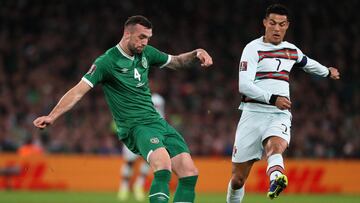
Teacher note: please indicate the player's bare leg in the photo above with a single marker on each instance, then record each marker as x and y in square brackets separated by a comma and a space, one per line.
[274, 147]
[236, 188]
[161, 164]
[185, 169]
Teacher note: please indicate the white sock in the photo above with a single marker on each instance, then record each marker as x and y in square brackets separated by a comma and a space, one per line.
[126, 173]
[275, 166]
[235, 196]
[144, 170]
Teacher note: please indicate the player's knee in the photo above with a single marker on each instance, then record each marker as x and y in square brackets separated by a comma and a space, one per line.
[237, 181]
[160, 164]
[193, 171]
[275, 146]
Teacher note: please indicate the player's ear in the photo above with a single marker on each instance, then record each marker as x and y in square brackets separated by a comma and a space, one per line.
[126, 34]
[264, 22]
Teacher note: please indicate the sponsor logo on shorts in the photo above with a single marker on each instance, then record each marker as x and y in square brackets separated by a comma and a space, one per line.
[154, 140]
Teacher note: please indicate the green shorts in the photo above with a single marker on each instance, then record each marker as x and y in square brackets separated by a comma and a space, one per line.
[145, 138]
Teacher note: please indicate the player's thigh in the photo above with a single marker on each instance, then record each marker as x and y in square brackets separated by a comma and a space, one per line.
[173, 141]
[248, 137]
[280, 125]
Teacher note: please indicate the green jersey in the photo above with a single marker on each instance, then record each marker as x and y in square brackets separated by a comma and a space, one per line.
[125, 84]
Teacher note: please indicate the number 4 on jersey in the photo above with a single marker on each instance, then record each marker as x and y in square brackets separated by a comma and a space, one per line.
[137, 74]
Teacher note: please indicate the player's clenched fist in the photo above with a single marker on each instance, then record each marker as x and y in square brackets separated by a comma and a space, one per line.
[42, 122]
[204, 57]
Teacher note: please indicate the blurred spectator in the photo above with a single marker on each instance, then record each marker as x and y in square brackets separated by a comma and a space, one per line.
[46, 47]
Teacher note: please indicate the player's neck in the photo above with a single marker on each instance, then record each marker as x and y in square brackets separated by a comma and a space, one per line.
[125, 48]
[265, 40]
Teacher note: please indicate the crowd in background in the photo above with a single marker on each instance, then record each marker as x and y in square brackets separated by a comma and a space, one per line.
[47, 46]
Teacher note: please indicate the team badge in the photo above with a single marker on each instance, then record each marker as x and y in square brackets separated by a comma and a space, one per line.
[243, 66]
[92, 69]
[154, 140]
[287, 54]
[144, 62]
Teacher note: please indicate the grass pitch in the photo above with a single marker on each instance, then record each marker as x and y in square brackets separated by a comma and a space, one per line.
[70, 197]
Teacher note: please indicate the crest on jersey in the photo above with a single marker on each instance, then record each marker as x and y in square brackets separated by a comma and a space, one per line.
[154, 140]
[243, 66]
[287, 54]
[92, 69]
[144, 62]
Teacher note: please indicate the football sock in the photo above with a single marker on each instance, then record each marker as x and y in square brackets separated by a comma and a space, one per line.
[159, 190]
[185, 191]
[275, 166]
[235, 196]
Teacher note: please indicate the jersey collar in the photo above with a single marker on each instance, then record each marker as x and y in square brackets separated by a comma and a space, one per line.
[123, 53]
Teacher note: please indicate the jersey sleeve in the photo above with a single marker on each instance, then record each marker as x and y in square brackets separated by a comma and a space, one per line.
[97, 71]
[247, 71]
[156, 57]
[309, 65]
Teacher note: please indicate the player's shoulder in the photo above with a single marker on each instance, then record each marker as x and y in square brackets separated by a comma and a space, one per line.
[289, 45]
[148, 50]
[254, 44]
[107, 57]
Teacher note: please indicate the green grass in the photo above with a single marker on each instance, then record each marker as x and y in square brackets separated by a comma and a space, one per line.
[70, 197]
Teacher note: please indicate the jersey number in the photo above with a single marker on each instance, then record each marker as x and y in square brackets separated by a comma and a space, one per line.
[137, 74]
[278, 64]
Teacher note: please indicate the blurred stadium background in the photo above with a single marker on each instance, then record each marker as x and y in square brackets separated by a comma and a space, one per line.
[46, 47]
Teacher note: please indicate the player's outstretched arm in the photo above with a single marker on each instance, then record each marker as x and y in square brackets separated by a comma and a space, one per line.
[189, 59]
[69, 99]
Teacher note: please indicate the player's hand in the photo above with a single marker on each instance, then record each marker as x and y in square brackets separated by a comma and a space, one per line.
[43, 121]
[334, 73]
[283, 103]
[204, 57]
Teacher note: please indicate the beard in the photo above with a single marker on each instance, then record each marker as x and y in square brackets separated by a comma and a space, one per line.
[134, 50]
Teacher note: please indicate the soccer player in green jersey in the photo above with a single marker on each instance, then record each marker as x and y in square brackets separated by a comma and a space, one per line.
[123, 73]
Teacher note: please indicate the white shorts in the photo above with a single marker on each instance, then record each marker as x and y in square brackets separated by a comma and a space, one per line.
[253, 128]
[128, 155]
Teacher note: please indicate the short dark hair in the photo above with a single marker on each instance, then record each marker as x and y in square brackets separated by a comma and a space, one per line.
[277, 9]
[138, 19]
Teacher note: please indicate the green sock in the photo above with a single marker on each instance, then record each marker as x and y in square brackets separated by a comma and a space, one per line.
[185, 191]
[159, 191]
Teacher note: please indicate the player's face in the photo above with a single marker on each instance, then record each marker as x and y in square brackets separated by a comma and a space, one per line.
[139, 37]
[275, 28]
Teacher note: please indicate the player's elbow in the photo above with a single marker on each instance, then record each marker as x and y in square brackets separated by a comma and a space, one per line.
[243, 87]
